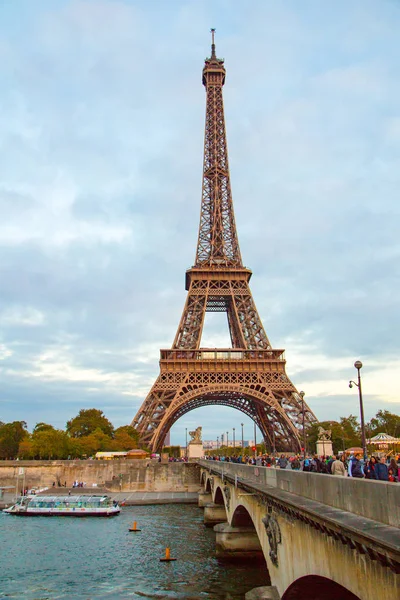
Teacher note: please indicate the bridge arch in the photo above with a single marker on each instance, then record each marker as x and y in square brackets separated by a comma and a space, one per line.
[241, 518]
[257, 402]
[219, 496]
[315, 587]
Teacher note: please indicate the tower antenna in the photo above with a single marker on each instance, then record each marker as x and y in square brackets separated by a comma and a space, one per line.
[213, 55]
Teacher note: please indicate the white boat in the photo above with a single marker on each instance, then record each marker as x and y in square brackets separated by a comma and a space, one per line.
[64, 506]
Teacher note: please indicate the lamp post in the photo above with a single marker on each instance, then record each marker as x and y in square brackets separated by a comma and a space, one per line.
[186, 451]
[255, 440]
[304, 429]
[227, 439]
[233, 437]
[241, 425]
[358, 365]
[273, 444]
[217, 441]
[222, 439]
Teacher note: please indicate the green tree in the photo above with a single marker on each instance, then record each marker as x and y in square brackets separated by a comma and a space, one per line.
[384, 422]
[125, 438]
[96, 442]
[42, 427]
[173, 451]
[50, 443]
[344, 434]
[25, 450]
[75, 447]
[11, 435]
[87, 421]
[351, 431]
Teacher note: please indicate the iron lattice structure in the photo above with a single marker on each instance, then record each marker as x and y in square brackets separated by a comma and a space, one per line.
[249, 376]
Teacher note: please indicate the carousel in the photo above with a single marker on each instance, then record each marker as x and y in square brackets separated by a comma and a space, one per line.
[384, 442]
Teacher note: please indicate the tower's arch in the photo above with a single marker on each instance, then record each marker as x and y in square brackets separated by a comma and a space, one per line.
[257, 403]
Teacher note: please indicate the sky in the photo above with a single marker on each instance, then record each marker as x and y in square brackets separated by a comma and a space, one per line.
[101, 144]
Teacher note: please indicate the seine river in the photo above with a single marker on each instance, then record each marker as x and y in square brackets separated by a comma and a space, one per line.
[49, 558]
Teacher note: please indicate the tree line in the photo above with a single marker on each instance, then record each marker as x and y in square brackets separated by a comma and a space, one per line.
[90, 432]
[87, 433]
[346, 433]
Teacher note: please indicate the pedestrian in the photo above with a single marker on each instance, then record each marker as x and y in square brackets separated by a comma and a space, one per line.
[344, 460]
[369, 468]
[282, 462]
[394, 466]
[316, 465]
[337, 467]
[295, 463]
[323, 467]
[356, 467]
[381, 469]
[330, 463]
[391, 475]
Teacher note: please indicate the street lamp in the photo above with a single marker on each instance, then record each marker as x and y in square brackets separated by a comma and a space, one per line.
[273, 444]
[186, 450]
[255, 440]
[304, 430]
[241, 424]
[358, 365]
[233, 437]
[217, 441]
[227, 439]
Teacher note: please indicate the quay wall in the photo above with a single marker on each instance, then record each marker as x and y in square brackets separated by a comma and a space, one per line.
[115, 475]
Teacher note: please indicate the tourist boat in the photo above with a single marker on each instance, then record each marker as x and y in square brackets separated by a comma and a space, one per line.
[64, 506]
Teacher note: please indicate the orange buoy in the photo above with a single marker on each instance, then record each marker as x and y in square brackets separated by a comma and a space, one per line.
[134, 528]
[167, 557]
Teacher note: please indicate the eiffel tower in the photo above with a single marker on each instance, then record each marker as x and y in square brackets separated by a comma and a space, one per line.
[250, 376]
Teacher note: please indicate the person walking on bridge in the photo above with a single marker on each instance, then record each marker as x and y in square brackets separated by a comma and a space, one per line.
[282, 462]
[369, 469]
[381, 469]
[337, 467]
[356, 467]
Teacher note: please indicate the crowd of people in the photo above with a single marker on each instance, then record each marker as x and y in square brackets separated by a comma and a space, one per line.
[382, 468]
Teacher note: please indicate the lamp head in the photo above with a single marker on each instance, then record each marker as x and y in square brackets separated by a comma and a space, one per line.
[350, 384]
[358, 364]
[302, 394]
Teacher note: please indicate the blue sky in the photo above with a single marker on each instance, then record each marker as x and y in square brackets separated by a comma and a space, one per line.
[101, 139]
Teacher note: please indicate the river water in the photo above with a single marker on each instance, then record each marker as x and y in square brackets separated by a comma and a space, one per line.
[87, 558]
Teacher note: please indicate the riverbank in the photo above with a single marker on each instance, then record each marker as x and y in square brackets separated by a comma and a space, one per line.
[118, 475]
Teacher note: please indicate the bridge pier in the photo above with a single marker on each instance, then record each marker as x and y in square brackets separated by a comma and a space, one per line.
[214, 514]
[237, 543]
[204, 498]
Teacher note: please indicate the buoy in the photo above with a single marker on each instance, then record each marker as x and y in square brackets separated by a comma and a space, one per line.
[134, 528]
[167, 557]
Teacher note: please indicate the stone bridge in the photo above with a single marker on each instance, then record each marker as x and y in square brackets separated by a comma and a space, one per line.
[320, 537]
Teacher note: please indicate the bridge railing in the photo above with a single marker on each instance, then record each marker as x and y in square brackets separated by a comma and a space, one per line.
[376, 500]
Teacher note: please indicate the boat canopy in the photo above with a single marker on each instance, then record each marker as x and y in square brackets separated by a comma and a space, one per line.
[70, 499]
